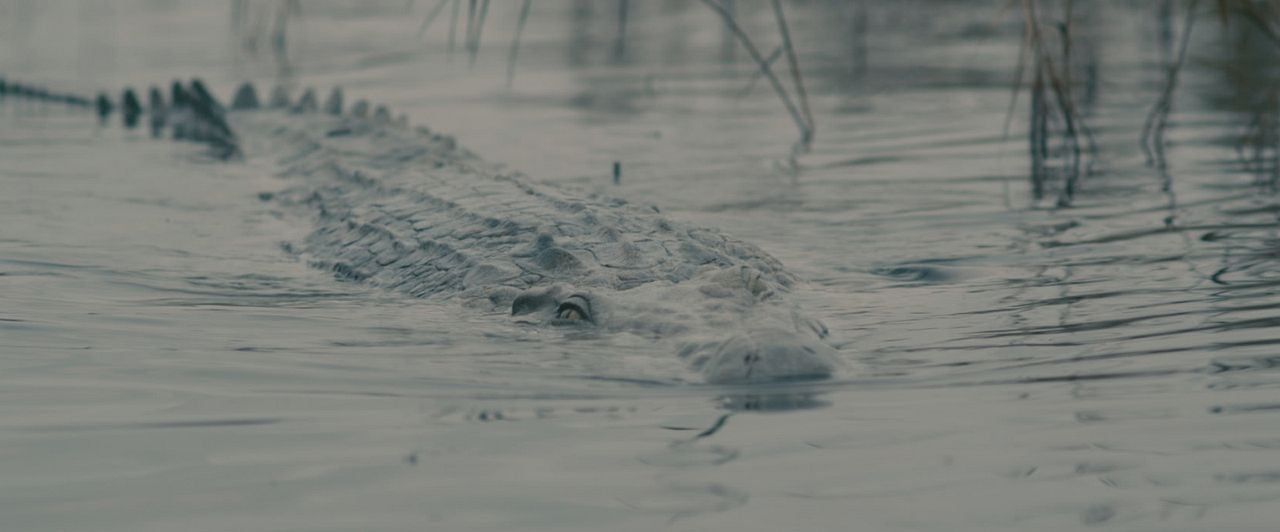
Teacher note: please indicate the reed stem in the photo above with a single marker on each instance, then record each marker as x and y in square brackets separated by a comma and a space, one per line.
[515, 42]
[1152, 140]
[431, 16]
[796, 78]
[806, 134]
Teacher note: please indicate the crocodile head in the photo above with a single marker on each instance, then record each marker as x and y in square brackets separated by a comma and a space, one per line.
[730, 324]
[410, 210]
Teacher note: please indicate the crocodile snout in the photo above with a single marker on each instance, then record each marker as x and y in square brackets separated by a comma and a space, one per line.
[770, 355]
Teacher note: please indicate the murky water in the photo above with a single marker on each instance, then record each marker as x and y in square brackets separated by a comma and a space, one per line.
[1010, 366]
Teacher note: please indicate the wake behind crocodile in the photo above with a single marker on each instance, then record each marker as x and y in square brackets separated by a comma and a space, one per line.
[411, 211]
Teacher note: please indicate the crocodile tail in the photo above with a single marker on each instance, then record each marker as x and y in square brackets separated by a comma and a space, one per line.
[158, 112]
[306, 104]
[192, 113]
[246, 98]
[382, 115]
[206, 122]
[130, 108]
[205, 99]
[22, 91]
[333, 105]
[179, 98]
[279, 98]
[360, 109]
[104, 107]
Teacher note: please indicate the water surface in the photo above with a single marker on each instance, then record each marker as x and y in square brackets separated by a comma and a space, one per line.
[1010, 365]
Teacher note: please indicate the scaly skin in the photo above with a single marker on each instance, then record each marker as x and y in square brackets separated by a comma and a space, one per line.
[410, 211]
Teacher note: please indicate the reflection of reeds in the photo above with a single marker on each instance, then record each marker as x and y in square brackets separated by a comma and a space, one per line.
[431, 16]
[756, 75]
[796, 78]
[475, 24]
[1261, 134]
[801, 115]
[728, 44]
[1051, 102]
[1252, 87]
[271, 22]
[477, 11]
[279, 40]
[453, 25]
[1152, 140]
[515, 41]
[620, 40]
[797, 106]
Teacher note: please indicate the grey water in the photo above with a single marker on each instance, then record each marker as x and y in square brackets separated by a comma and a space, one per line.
[1009, 364]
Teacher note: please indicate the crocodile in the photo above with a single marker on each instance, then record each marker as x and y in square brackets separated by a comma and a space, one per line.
[410, 210]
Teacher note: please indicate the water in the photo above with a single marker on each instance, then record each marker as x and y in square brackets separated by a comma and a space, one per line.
[1010, 366]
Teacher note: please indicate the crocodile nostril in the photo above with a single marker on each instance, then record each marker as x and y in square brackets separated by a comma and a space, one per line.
[769, 354]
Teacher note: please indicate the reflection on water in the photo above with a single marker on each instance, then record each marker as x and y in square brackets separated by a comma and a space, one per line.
[1245, 85]
[776, 402]
[1012, 364]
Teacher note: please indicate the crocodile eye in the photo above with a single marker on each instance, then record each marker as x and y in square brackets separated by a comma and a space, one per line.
[575, 308]
[569, 312]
